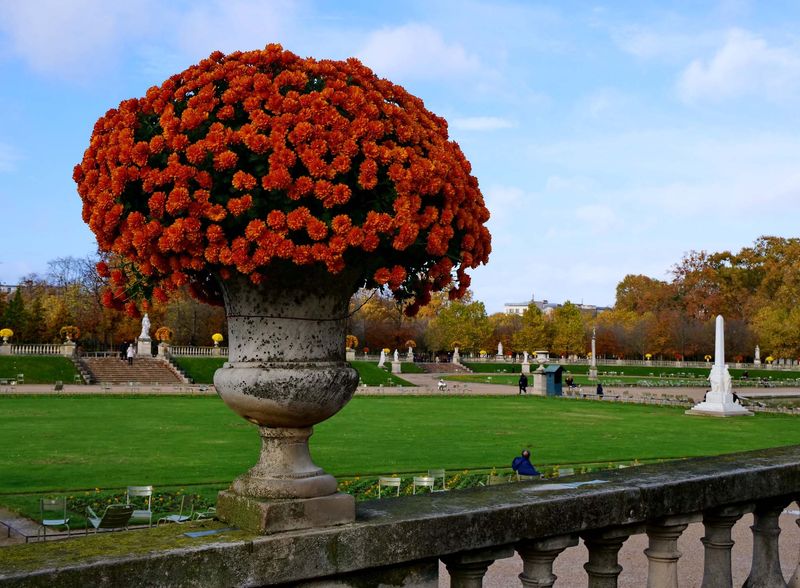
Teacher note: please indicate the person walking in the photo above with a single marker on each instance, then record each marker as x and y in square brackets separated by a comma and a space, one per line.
[130, 353]
[599, 390]
[523, 384]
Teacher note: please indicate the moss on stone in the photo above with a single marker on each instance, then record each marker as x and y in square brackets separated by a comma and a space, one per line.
[104, 545]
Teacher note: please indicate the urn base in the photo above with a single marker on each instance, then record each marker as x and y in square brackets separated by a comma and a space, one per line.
[266, 516]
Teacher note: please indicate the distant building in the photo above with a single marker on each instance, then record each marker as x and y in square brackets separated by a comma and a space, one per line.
[520, 307]
[8, 288]
[547, 307]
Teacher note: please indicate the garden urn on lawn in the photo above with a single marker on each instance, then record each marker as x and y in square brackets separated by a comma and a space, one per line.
[278, 186]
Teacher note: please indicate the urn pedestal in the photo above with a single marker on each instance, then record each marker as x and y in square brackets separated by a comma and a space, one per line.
[286, 372]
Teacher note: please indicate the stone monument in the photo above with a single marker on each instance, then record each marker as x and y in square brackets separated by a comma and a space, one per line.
[500, 351]
[719, 400]
[526, 367]
[757, 359]
[593, 363]
[539, 380]
[144, 346]
[382, 360]
[396, 363]
[456, 356]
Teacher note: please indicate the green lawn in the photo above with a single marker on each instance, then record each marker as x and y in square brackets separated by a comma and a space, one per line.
[89, 448]
[201, 370]
[372, 375]
[641, 371]
[68, 443]
[37, 369]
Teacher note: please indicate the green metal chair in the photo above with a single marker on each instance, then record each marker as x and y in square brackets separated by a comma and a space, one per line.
[53, 514]
[186, 512]
[116, 516]
[142, 514]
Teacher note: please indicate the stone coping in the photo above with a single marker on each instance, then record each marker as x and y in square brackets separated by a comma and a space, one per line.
[395, 531]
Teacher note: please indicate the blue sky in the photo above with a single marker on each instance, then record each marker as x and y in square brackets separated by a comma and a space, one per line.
[607, 138]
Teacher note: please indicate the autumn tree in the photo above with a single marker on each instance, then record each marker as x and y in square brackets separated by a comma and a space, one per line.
[569, 331]
[534, 333]
[466, 323]
[14, 317]
[503, 328]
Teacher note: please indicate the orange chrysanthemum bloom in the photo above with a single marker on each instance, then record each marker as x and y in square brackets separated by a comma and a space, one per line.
[251, 159]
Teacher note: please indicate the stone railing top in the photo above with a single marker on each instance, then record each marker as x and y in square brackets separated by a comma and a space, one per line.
[398, 530]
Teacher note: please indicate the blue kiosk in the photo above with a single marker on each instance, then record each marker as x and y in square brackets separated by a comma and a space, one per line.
[552, 374]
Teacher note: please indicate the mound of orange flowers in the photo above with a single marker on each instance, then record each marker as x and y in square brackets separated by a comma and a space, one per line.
[254, 157]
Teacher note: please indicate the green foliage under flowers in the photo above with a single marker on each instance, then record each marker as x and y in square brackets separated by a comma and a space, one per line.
[366, 488]
[163, 503]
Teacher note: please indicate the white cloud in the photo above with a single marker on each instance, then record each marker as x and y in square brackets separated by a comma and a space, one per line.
[8, 158]
[745, 65]
[650, 44]
[233, 25]
[416, 51]
[597, 218]
[504, 204]
[567, 184]
[481, 123]
[71, 39]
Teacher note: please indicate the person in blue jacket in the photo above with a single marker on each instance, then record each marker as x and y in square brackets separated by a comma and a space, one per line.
[523, 466]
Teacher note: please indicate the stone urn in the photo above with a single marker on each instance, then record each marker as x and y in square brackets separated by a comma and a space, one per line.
[286, 372]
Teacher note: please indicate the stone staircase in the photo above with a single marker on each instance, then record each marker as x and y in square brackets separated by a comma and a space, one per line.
[444, 368]
[145, 370]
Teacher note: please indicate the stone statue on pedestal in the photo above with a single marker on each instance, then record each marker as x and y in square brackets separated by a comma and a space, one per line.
[382, 359]
[145, 327]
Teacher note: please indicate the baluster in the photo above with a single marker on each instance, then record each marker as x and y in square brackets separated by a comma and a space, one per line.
[604, 547]
[467, 568]
[662, 554]
[766, 569]
[538, 557]
[718, 544]
[795, 581]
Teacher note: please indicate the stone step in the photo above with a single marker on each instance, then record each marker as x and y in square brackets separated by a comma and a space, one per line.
[145, 370]
[444, 368]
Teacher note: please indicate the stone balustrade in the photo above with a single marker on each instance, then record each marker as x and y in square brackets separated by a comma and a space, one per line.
[35, 349]
[400, 541]
[192, 351]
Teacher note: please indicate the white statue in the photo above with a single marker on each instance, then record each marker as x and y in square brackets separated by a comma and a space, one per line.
[500, 349]
[524, 357]
[758, 354]
[145, 327]
[396, 355]
[382, 360]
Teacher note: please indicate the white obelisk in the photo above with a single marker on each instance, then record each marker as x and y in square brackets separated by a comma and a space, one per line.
[719, 400]
[593, 363]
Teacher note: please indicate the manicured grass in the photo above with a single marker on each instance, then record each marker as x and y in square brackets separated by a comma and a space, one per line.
[643, 371]
[37, 369]
[201, 370]
[372, 375]
[495, 368]
[411, 368]
[69, 443]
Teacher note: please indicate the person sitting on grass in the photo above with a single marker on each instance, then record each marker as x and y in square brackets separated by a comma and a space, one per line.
[523, 466]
